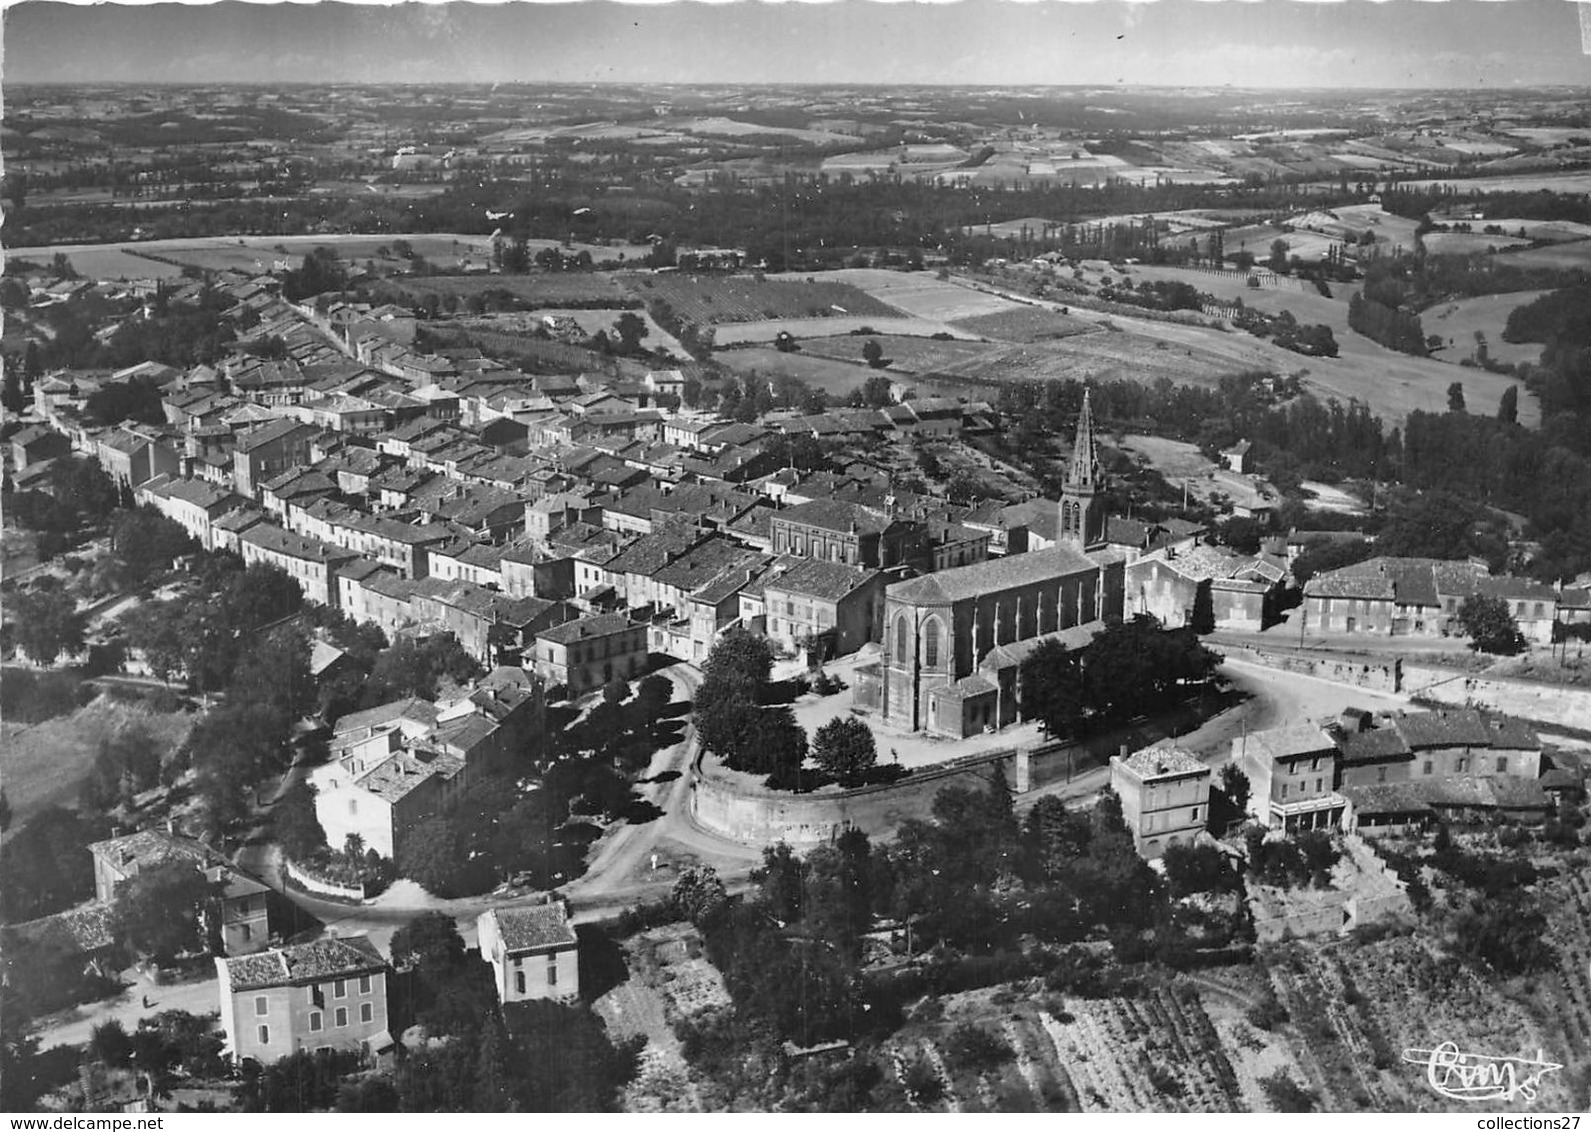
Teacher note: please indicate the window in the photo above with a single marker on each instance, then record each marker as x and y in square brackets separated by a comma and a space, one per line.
[1502, 764]
[339, 989]
[265, 1035]
[315, 1021]
[1463, 765]
[552, 970]
[1195, 815]
[1284, 790]
[519, 982]
[248, 931]
[931, 644]
[1314, 763]
[367, 1011]
[262, 1006]
[342, 1016]
[364, 984]
[1381, 774]
[353, 805]
[1428, 766]
[900, 639]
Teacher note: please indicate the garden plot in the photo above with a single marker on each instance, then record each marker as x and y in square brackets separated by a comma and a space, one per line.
[103, 263]
[592, 321]
[1025, 324]
[1469, 243]
[1157, 1053]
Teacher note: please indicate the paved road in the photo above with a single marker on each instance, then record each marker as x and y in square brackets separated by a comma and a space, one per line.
[619, 875]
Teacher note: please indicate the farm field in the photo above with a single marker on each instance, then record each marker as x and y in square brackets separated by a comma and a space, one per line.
[1579, 182]
[731, 333]
[1469, 243]
[1024, 324]
[555, 290]
[1564, 256]
[921, 293]
[1258, 238]
[103, 262]
[1392, 384]
[42, 764]
[1560, 231]
[905, 354]
[714, 300]
[1459, 321]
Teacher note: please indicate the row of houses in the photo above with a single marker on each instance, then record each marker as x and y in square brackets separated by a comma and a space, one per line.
[1360, 773]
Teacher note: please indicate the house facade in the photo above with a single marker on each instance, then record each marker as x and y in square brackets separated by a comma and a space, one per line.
[584, 654]
[1165, 797]
[327, 994]
[533, 952]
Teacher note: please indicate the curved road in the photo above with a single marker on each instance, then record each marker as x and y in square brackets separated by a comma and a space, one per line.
[619, 874]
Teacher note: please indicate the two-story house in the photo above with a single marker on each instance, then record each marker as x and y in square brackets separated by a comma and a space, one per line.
[327, 994]
[242, 902]
[1292, 773]
[533, 952]
[583, 655]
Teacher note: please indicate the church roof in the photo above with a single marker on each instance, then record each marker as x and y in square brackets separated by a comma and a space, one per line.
[994, 576]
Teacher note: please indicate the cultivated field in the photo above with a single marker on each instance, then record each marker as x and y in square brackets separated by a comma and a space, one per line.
[1024, 324]
[102, 262]
[592, 321]
[1559, 231]
[905, 355]
[730, 333]
[1562, 256]
[1511, 183]
[557, 290]
[1469, 243]
[922, 294]
[711, 300]
[1458, 322]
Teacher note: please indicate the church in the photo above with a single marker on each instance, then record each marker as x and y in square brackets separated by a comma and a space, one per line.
[954, 640]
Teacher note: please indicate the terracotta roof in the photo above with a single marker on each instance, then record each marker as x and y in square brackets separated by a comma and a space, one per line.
[585, 628]
[1159, 762]
[395, 778]
[322, 959]
[1291, 742]
[541, 925]
[1373, 746]
[827, 581]
[1386, 798]
[1442, 729]
[834, 515]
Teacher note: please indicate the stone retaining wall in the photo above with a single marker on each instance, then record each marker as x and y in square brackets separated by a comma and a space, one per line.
[312, 883]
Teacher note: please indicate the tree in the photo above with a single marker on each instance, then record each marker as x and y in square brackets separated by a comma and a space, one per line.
[1235, 785]
[430, 941]
[874, 393]
[1278, 260]
[740, 659]
[631, 329]
[46, 623]
[12, 396]
[1490, 625]
[699, 895]
[1198, 868]
[294, 825]
[160, 910]
[1052, 689]
[844, 747]
[1508, 405]
[652, 697]
[873, 353]
[616, 691]
[433, 857]
[1455, 397]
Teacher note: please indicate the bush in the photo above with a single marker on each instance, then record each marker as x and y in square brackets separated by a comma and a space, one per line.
[922, 1081]
[1266, 1014]
[974, 1048]
[1287, 1095]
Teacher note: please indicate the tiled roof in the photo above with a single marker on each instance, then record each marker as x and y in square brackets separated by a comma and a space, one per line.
[1290, 742]
[541, 925]
[827, 581]
[834, 515]
[393, 779]
[585, 628]
[1387, 798]
[1373, 746]
[1442, 729]
[268, 536]
[83, 929]
[150, 847]
[413, 708]
[1518, 589]
[994, 576]
[317, 961]
[1158, 762]
[967, 687]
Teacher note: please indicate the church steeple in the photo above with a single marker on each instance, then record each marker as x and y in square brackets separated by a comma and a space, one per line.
[1085, 473]
[1082, 511]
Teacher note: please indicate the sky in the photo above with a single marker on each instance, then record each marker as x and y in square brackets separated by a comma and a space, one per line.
[1240, 43]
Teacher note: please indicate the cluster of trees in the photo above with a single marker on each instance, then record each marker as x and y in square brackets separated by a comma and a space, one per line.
[44, 622]
[321, 272]
[733, 720]
[1389, 324]
[1490, 625]
[1314, 339]
[1131, 668]
[1291, 862]
[81, 497]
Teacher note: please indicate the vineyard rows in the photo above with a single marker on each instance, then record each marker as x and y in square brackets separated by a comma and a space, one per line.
[706, 301]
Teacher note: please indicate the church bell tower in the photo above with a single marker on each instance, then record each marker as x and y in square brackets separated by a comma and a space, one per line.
[1082, 508]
